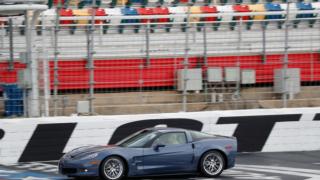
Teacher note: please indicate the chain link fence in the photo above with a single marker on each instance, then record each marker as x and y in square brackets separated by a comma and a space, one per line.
[177, 59]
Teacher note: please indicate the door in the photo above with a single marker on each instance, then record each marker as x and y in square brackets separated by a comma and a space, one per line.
[169, 153]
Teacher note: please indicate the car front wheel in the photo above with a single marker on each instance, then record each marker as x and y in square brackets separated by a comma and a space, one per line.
[112, 168]
[212, 164]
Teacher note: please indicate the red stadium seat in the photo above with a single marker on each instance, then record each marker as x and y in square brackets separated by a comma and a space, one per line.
[55, 2]
[66, 13]
[209, 10]
[145, 11]
[213, 19]
[101, 12]
[241, 8]
[162, 11]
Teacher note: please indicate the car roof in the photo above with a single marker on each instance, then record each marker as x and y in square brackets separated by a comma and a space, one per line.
[169, 129]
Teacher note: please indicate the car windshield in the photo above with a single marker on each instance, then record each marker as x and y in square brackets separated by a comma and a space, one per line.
[139, 139]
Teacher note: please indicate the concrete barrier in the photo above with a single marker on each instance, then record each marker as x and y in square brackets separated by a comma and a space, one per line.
[259, 130]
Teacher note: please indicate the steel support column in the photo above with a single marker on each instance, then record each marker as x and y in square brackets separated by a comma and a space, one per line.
[90, 62]
[148, 44]
[55, 60]
[33, 94]
[11, 59]
[264, 55]
[46, 70]
[186, 62]
[285, 58]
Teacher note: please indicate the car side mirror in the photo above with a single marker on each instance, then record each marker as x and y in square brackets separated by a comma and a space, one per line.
[158, 146]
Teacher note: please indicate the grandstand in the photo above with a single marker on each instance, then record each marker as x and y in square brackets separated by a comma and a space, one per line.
[140, 47]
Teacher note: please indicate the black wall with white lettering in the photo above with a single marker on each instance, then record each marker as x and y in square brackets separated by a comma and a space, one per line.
[48, 141]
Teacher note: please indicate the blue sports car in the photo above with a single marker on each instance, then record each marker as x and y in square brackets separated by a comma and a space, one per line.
[153, 152]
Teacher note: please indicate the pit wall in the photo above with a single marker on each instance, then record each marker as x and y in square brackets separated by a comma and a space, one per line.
[260, 130]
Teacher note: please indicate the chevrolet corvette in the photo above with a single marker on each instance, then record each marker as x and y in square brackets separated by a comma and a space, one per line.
[158, 151]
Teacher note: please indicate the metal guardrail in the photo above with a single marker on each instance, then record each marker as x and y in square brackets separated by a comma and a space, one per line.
[22, 7]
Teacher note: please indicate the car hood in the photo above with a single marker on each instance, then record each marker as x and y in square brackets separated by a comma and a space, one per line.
[86, 150]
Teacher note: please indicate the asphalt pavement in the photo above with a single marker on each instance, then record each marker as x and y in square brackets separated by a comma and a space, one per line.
[249, 166]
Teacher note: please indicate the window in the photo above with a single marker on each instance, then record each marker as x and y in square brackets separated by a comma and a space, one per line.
[199, 135]
[171, 139]
[139, 139]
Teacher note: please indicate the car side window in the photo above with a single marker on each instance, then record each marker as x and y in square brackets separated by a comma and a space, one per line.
[174, 138]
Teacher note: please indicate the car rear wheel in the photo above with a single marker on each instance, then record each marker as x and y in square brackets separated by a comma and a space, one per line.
[112, 168]
[212, 164]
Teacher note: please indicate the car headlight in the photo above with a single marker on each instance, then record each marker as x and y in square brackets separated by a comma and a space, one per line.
[90, 156]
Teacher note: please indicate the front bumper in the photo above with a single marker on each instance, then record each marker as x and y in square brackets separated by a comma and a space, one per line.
[76, 168]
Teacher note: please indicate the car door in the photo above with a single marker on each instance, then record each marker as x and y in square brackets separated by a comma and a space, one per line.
[169, 153]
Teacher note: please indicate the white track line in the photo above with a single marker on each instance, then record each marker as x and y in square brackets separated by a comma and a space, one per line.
[7, 171]
[39, 168]
[281, 170]
[25, 166]
[311, 171]
[51, 170]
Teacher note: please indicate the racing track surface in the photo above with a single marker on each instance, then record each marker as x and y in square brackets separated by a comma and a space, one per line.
[250, 166]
